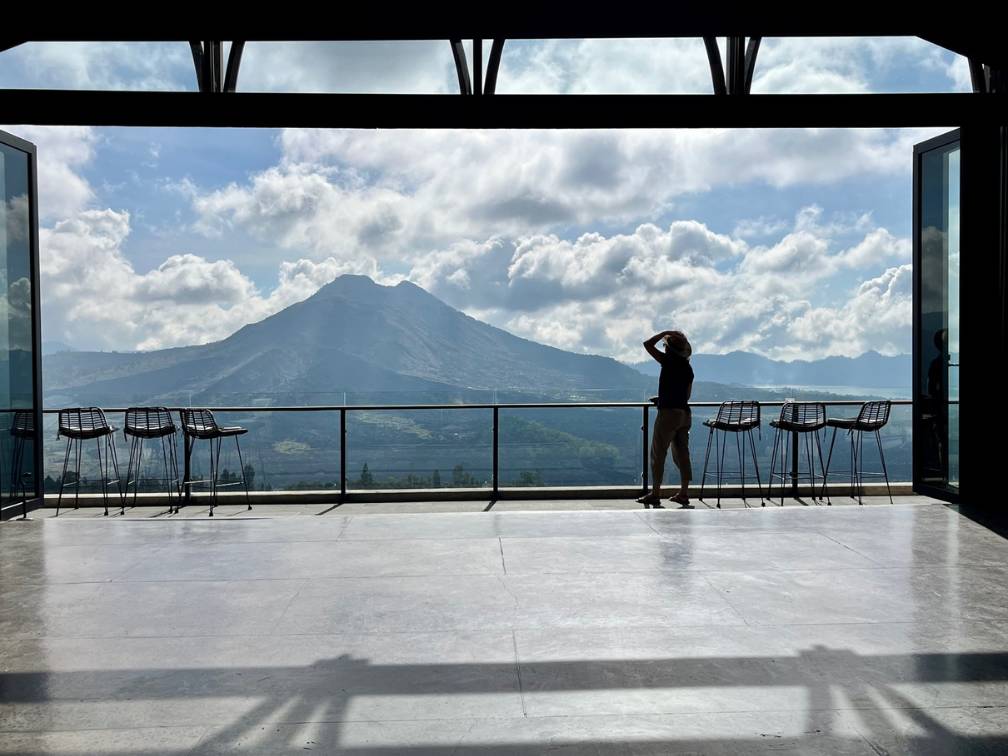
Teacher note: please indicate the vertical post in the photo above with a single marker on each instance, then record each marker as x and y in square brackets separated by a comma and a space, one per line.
[218, 66]
[187, 472]
[735, 64]
[342, 453]
[206, 67]
[496, 436]
[644, 451]
[794, 452]
[477, 82]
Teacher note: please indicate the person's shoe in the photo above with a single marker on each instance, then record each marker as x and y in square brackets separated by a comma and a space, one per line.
[684, 503]
[657, 505]
[650, 500]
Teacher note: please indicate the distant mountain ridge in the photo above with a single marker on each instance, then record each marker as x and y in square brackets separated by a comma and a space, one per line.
[395, 344]
[871, 369]
[351, 335]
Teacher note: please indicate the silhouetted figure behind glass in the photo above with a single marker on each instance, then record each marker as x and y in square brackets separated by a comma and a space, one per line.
[671, 428]
[938, 395]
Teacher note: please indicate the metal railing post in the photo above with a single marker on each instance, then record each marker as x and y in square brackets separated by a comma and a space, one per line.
[794, 464]
[784, 457]
[496, 436]
[644, 451]
[187, 472]
[342, 453]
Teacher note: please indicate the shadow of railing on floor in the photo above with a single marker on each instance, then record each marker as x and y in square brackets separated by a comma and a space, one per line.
[321, 693]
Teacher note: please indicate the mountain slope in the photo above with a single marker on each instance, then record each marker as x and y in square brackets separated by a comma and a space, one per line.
[352, 335]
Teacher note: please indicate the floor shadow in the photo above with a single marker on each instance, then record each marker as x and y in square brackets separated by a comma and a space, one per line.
[291, 697]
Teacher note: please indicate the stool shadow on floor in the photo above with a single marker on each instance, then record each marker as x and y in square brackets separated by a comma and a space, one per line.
[838, 682]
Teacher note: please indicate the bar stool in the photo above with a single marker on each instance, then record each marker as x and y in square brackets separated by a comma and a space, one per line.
[872, 417]
[151, 423]
[80, 424]
[22, 430]
[199, 424]
[797, 419]
[738, 418]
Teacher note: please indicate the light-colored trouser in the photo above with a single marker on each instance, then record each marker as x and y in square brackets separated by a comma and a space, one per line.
[671, 429]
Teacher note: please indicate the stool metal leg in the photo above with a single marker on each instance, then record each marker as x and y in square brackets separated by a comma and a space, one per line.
[213, 479]
[139, 470]
[24, 490]
[177, 481]
[759, 483]
[853, 465]
[885, 472]
[823, 469]
[808, 458]
[164, 458]
[773, 462]
[66, 460]
[785, 457]
[859, 466]
[741, 459]
[723, 438]
[110, 452]
[103, 472]
[14, 467]
[788, 460]
[80, 443]
[17, 474]
[241, 463]
[829, 459]
[703, 479]
[133, 469]
[17, 461]
[130, 465]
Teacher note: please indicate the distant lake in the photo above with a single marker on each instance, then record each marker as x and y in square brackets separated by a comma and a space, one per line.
[885, 392]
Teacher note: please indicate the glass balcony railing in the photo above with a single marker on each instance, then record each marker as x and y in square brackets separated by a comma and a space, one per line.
[348, 448]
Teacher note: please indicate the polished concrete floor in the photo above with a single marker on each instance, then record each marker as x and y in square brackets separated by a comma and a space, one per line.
[865, 630]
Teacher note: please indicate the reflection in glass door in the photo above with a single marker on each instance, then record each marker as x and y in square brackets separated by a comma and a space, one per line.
[936, 315]
[20, 399]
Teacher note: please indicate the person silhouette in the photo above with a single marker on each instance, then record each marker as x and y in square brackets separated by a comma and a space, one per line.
[672, 426]
[938, 397]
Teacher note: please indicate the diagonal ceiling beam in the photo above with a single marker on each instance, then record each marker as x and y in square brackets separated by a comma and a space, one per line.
[752, 49]
[197, 59]
[493, 66]
[716, 67]
[234, 62]
[461, 66]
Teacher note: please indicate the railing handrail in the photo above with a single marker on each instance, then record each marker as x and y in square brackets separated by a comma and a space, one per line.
[345, 409]
[485, 406]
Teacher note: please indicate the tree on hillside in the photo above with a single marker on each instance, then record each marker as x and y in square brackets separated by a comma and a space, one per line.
[462, 479]
[529, 478]
[366, 479]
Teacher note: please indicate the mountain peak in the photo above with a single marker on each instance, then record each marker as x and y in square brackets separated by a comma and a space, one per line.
[350, 281]
[409, 285]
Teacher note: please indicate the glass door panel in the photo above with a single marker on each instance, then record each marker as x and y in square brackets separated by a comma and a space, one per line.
[19, 389]
[936, 315]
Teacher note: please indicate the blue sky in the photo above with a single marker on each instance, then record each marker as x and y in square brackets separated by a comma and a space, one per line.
[788, 243]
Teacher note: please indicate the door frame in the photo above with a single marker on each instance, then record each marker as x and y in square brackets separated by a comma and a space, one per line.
[11, 509]
[942, 140]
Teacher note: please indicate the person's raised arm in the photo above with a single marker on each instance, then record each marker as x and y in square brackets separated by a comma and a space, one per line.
[649, 345]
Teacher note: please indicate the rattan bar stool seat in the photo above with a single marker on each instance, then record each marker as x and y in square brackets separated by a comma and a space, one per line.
[200, 425]
[79, 424]
[740, 418]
